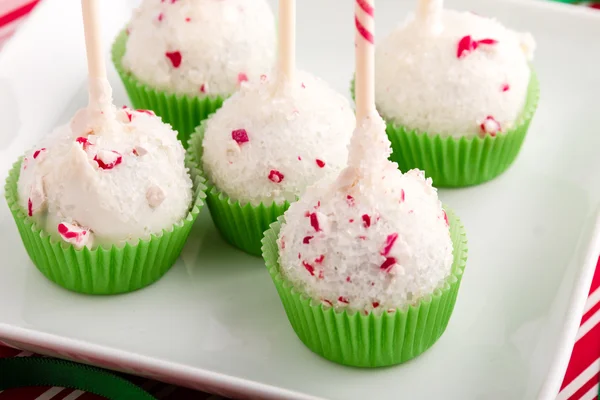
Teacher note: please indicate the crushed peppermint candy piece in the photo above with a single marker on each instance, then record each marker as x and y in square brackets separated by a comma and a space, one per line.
[327, 303]
[446, 218]
[350, 201]
[490, 126]
[309, 268]
[366, 220]
[242, 77]
[388, 264]
[155, 196]
[342, 299]
[240, 136]
[307, 239]
[466, 45]
[402, 196]
[320, 163]
[175, 58]
[149, 112]
[77, 236]
[314, 221]
[320, 259]
[37, 153]
[84, 142]
[108, 159]
[375, 304]
[389, 243]
[275, 176]
[204, 88]
[505, 87]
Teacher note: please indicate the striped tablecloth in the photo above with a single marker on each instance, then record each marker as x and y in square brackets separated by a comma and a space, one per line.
[580, 382]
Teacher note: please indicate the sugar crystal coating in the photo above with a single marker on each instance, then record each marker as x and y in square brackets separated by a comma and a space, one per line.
[352, 244]
[200, 47]
[266, 147]
[448, 82]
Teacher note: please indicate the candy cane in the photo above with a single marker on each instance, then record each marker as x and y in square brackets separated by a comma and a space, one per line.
[429, 12]
[365, 59]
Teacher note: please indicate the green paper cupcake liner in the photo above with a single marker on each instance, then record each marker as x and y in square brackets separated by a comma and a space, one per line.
[461, 162]
[102, 271]
[183, 112]
[369, 340]
[241, 225]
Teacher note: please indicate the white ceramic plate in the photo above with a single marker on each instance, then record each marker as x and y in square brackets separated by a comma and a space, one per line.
[215, 322]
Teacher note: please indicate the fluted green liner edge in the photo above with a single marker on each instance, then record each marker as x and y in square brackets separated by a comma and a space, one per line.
[183, 112]
[103, 271]
[369, 340]
[461, 162]
[241, 225]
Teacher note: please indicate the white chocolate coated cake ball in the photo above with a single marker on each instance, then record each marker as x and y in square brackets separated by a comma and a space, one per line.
[467, 77]
[118, 182]
[200, 47]
[268, 143]
[373, 240]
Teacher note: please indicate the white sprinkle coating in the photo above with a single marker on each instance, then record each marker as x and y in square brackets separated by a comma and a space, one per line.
[422, 83]
[296, 135]
[66, 183]
[220, 43]
[373, 240]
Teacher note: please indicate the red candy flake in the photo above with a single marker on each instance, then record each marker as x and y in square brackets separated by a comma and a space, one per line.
[466, 45]
[282, 243]
[303, 85]
[343, 300]
[388, 264]
[321, 274]
[129, 115]
[29, 207]
[241, 136]
[263, 78]
[389, 243]
[37, 152]
[402, 196]
[160, 17]
[307, 239]
[351, 220]
[505, 87]
[350, 201]
[275, 176]
[314, 221]
[65, 232]
[366, 220]
[327, 302]
[299, 256]
[446, 217]
[362, 237]
[174, 57]
[299, 158]
[149, 112]
[108, 159]
[309, 268]
[320, 163]
[375, 304]
[188, 19]
[83, 141]
[348, 279]
[242, 77]
[320, 259]
[490, 126]
[203, 88]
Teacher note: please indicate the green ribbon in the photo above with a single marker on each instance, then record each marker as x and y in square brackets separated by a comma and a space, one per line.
[37, 371]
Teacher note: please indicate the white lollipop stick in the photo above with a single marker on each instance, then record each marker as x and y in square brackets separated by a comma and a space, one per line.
[99, 89]
[287, 40]
[365, 60]
[429, 12]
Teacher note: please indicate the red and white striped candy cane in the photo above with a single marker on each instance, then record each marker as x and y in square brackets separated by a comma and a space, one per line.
[364, 19]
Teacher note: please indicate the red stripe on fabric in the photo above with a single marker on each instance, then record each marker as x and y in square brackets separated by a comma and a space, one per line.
[28, 393]
[582, 390]
[363, 31]
[64, 393]
[18, 13]
[366, 7]
[585, 352]
[596, 280]
[589, 314]
[7, 352]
